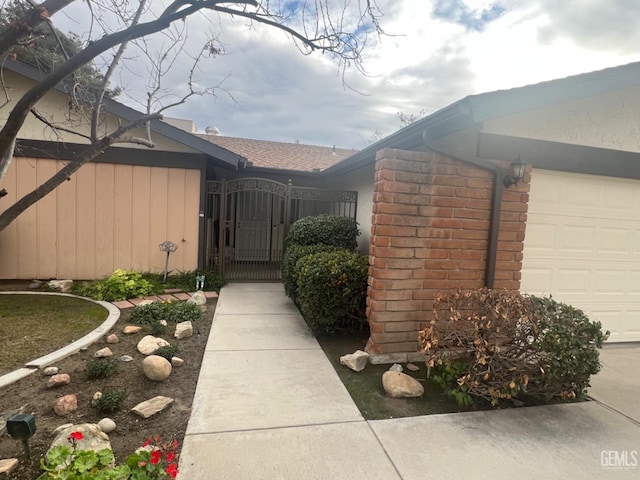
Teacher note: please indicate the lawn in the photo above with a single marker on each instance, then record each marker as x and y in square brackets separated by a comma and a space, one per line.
[34, 325]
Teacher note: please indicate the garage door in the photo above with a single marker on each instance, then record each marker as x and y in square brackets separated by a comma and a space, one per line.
[583, 246]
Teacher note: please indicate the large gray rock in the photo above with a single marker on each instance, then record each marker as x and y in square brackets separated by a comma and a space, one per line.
[356, 361]
[93, 437]
[149, 344]
[65, 405]
[401, 385]
[199, 298]
[152, 406]
[156, 368]
[58, 380]
[63, 285]
[183, 330]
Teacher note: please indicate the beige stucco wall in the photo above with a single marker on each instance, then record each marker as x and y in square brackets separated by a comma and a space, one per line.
[55, 107]
[609, 120]
[105, 217]
[360, 180]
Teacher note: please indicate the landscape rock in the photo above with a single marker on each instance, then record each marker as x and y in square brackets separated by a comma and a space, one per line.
[65, 405]
[413, 367]
[58, 380]
[356, 361]
[96, 396]
[199, 298]
[401, 385]
[183, 330]
[8, 465]
[163, 323]
[63, 285]
[93, 437]
[125, 358]
[35, 284]
[103, 352]
[145, 302]
[156, 368]
[177, 361]
[150, 344]
[107, 425]
[50, 371]
[62, 427]
[131, 329]
[113, 338]
[396, 367]
[152, 406]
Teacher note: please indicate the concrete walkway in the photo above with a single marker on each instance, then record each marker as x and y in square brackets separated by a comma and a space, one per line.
[270, 406]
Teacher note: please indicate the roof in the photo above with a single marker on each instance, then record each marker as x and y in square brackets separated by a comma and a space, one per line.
[474, 109]
[280, 155]
[227, 158]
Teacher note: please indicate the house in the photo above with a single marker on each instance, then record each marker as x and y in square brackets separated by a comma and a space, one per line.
[437, 204]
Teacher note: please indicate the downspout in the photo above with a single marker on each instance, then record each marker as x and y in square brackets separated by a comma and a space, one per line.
[201, 216]
[496, 203]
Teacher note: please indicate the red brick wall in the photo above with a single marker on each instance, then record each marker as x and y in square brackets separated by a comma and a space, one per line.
[429, 233]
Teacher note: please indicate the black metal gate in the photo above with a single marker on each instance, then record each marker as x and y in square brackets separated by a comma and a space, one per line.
[247, 221]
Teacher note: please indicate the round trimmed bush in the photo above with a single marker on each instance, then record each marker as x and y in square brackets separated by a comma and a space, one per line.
[326, 230]
[294, 253]
[332, 289]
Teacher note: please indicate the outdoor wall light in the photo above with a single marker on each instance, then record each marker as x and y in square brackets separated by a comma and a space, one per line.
[22, 426]
[517, 173]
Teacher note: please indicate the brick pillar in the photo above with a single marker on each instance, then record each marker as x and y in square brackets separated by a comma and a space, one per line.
[429, 233]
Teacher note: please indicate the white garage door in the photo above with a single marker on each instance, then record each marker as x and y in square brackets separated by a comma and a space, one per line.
[582, 246]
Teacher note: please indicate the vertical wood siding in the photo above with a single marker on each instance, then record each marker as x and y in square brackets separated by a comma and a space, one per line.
[105, 217]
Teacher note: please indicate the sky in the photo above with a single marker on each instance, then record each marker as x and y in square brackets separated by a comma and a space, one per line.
[436, 52]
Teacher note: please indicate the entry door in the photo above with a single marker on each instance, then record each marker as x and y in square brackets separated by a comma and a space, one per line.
[253, 226]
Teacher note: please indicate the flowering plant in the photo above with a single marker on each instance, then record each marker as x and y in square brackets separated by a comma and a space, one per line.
[68, 462]
[153, 461]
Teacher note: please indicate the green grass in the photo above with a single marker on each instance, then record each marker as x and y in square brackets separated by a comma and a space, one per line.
[365, 387]
[34, 325]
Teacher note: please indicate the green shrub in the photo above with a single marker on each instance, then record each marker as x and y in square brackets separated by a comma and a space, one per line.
[168, 351]
[120, 285]
[513, 347]
[332, 289]
[292, 254]
[326, 230]
[568, 343]
[187, 280]
[111, 400]
[173, 312]
[101, 367]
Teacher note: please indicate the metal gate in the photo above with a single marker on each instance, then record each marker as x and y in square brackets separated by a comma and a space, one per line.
[247, 221]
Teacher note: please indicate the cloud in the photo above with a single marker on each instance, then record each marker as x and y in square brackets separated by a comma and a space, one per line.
[458, 12]
[593, 24]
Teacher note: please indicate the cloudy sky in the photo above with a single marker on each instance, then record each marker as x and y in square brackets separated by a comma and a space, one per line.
[438, 51]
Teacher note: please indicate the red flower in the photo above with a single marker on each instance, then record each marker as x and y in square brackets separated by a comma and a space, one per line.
[174, 444]
[75, 436]
[172, 470]
[147, 442]
[155, 457]
[170, 456]
[143, 464]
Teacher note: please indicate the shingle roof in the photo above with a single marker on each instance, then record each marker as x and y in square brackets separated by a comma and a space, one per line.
[280, 155]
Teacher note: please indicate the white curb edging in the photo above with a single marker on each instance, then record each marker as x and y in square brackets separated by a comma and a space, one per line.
[88, 339]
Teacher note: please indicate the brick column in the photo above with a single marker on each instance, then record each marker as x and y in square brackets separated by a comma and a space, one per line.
[429, 233]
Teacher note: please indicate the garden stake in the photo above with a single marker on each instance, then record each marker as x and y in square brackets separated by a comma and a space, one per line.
[168, 247]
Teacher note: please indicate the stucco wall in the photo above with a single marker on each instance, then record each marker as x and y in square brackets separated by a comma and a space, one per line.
[105, 217]
[360, 180]
[609, 120]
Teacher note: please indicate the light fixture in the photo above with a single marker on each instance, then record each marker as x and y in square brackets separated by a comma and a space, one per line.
[517, 173]
[22, 426]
